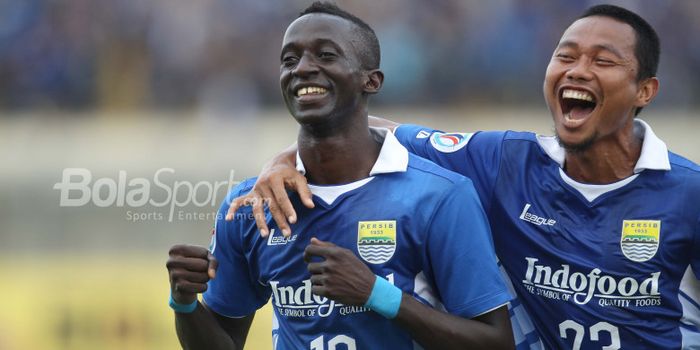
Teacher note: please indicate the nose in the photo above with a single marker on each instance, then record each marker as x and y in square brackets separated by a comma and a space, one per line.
[305, 66]
[580, 70]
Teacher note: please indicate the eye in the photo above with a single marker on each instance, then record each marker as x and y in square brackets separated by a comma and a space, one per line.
[604, 62]
[289, 61]
[327, 55]
[564, 57]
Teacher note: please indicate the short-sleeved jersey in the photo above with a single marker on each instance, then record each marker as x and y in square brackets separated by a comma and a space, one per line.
[594, 267]
[417, 225]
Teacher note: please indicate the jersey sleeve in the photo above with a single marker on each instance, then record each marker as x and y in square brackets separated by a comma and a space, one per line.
[474, 155]
[461, 255]
[235, 291]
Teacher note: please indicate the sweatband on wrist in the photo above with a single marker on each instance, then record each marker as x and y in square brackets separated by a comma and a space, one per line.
[385, 298]
[182, 308]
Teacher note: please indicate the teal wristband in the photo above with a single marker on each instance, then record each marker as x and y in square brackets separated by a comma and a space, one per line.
[385, 298]
[182, 308]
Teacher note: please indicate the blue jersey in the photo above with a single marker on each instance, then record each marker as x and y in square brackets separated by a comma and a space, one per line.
[595, 267]
[412, 222]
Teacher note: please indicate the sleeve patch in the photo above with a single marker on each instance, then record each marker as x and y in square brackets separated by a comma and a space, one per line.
[448, 142]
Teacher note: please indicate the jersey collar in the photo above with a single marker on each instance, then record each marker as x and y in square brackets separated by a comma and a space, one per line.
[654, 155]
[393, 157]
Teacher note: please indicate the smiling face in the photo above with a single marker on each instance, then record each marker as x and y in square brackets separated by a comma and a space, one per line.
[591, 85]
[321, 73]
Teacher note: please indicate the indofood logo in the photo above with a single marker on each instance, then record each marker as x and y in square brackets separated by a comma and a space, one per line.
[564, 284]
[300, 301]
[640, 239]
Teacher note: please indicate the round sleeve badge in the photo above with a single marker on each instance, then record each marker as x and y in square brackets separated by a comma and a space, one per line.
[449, 142]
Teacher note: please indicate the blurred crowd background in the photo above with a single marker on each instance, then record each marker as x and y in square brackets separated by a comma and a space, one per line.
[222, 54]
[127, 89]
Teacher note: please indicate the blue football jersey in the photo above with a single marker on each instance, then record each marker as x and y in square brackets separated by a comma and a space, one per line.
[594, 266]
[419, 226]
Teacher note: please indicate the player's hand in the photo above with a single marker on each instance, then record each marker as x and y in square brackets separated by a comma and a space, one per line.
[271, 190]
[190, 268]
[340, 275]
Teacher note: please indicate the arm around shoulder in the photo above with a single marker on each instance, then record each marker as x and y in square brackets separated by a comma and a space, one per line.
[466, 276]
[278, 175]
[434, 329]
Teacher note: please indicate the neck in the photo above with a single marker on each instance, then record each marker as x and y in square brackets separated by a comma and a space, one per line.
[607, 160]
[338, 155]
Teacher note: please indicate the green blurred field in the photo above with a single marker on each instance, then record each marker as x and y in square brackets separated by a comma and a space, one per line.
[93, 302]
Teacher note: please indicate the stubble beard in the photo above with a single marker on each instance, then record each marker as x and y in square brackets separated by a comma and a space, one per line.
[577, 148]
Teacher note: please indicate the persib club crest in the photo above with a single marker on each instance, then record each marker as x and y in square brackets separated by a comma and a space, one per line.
[640, 239]
[448, 143]
[376, 240]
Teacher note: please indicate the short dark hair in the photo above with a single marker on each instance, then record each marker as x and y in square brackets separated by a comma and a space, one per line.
[369, 52]
[647, 49]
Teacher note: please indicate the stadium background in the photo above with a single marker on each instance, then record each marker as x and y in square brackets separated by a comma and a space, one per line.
[138, 86]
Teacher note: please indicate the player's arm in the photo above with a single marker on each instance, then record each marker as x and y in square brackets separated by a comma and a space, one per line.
[278, 175]
[463, 267]
[190, 268]
[338, 274]
[438, 330]
[205, 329]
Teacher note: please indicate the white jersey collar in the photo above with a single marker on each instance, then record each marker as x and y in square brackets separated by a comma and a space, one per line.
[393, 157]
[654, 155]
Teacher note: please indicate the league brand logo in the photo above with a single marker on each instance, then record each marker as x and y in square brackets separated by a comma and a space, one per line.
[640, 239]
[376, 240]
[279, 239]
[448, 143]
[422, 134]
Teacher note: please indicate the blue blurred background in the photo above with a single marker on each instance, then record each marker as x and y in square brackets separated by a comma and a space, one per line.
[223, 54]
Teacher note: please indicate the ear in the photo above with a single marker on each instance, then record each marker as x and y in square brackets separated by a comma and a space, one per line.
[647, 90]
[373, 81]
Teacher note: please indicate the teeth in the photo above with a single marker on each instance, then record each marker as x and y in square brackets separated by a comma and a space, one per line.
[578, 95]
[311, 90]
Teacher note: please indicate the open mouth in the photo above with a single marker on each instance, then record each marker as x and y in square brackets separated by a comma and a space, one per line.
[310, 93]
[576, 105]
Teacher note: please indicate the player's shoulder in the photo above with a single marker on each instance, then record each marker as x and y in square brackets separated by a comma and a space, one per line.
[242, 227]
[501, 137]
[422, 169]
[243, 187]
[681, 163]
[512, 135]
[686, 172]
[508, 144]
[481, 138]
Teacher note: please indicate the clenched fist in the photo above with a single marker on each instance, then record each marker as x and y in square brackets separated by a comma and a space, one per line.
[190, 268]
[339, 275]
